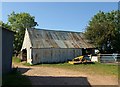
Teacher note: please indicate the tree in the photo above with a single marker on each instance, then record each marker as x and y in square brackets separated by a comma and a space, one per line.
[5, 25]
[104, 30]
[19, 22]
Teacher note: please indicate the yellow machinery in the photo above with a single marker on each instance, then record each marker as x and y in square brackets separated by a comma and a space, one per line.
[81, 60]
[77, 60]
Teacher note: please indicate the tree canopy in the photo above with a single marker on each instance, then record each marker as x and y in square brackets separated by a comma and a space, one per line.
[104, 31]
[19, 22]
[5, 25]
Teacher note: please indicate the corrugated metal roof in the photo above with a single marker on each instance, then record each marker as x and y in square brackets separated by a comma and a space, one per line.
[41, 38]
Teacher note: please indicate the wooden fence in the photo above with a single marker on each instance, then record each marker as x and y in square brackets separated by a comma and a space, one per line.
[109, 58]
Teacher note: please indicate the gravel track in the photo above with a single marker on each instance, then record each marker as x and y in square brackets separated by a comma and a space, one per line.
[43, 75]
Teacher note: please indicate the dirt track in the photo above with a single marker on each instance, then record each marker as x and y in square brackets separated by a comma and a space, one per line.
[41, 75]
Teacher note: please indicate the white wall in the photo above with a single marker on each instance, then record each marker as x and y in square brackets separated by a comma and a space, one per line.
[26, 45]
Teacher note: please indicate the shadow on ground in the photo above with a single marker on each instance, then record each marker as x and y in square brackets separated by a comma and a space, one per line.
[23, 70]
[55, 81]
[59, 80]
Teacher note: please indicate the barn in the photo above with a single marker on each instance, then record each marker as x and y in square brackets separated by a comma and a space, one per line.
[7, 38]
[52, 46]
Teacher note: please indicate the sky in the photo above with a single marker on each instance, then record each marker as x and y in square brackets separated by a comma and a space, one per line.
[67, 16]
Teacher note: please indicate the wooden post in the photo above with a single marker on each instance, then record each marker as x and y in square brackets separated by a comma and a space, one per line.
[99, 58]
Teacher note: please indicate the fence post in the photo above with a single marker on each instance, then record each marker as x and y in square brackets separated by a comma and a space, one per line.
[99, 58]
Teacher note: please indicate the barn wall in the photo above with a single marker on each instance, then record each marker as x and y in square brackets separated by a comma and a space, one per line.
[0, 56]
[26, 45]
[52, 55]
[7, 50]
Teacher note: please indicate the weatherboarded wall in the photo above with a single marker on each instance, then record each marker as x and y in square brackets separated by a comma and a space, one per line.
[54, 55]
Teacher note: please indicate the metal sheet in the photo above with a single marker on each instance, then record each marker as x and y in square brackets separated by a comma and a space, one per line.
[57, 39]
[61, 44]
[52, 55]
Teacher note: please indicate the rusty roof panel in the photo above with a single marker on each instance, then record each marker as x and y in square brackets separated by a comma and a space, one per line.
[60, 43]
[69, 45]
[41, 38]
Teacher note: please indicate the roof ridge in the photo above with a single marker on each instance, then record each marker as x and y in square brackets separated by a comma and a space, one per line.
[55, 30]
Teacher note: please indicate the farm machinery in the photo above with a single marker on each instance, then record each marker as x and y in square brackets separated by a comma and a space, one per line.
[81, 60]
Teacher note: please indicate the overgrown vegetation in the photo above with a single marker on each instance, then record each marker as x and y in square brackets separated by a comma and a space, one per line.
[97, 68]
[16, 79]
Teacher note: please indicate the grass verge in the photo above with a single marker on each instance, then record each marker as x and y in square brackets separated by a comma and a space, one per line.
[97, 68]
[16, 60]
[27, 64]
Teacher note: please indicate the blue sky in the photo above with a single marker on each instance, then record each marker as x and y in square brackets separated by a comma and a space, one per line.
[68, 16]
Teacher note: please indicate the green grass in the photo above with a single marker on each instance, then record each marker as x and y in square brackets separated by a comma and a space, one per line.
[27, 64]
[16, 60]
[97, 68]
[15, 78]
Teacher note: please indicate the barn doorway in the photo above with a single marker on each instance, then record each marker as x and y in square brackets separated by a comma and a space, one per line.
[24, 55]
